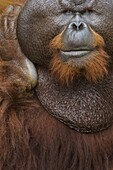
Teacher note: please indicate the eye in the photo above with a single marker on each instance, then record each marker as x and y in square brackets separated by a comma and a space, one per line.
[68, 12]
[89, 11]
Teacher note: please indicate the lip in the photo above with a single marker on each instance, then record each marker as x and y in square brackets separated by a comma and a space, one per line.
[65, 55]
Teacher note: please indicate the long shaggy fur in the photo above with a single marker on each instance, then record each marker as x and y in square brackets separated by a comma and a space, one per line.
[31, 139]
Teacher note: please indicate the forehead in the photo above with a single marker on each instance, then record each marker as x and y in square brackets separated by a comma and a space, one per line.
[76, 2]
[72, 3]
[85, 3]
[76, 5]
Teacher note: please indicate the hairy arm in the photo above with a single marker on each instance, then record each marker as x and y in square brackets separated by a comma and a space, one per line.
[17, 73]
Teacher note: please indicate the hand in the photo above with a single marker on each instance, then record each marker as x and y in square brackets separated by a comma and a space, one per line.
[17, 73]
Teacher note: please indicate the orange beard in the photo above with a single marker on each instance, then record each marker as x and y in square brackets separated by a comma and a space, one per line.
[93, 67]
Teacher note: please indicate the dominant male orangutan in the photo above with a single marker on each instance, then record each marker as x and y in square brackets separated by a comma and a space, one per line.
[56, 85]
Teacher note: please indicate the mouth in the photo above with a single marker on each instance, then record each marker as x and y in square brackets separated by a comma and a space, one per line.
[74, 54]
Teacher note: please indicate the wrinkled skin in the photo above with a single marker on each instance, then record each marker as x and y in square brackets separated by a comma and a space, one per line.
[38, 24]
[54, 126]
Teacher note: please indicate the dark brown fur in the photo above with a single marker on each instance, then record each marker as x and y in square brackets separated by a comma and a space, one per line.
[34, 139]
[31, 139]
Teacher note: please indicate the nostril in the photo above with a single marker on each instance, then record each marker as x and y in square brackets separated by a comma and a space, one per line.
[74, 26]
[81, 26]
[78, 26]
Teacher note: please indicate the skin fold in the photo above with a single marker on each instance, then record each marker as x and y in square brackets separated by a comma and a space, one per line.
[56, 77]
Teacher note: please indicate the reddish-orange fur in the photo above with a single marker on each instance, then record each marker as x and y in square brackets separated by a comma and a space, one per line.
[31, 139]
[94, 67]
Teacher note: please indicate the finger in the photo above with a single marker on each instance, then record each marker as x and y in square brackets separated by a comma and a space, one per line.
[13, 19]
[4, 23]
[9, 9]
[17, 10]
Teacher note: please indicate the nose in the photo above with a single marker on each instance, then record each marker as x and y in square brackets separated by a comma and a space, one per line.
[77, 25]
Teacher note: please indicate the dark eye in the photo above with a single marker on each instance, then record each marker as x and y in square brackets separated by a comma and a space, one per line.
[68, 12]
[89, 11]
